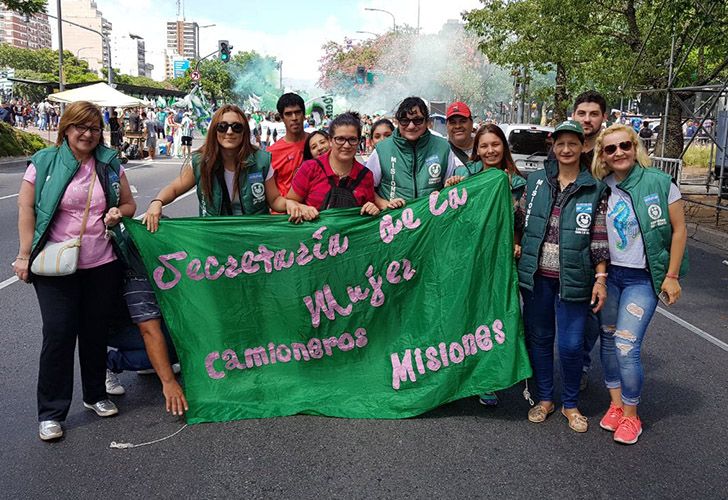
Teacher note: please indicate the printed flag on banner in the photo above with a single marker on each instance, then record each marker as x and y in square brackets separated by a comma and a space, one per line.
[347, 316]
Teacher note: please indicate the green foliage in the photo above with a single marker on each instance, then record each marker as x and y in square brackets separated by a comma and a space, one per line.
[25, 6]
[698, 155]
[14, 142]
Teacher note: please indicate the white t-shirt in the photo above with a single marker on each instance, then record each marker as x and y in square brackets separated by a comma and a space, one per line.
[265, 126]
[626, 247]
[233, 193]
[280, 131]
[373, 164]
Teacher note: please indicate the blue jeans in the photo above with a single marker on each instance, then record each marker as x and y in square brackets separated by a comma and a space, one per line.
[591, 335]
[543, 310]
[129, 353]
[631, 302]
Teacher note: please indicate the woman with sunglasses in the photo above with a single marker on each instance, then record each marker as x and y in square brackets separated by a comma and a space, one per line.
[562, 269]
[76, 187]
[232, 176]
[317, 143]
[336, 179]
[647, 237]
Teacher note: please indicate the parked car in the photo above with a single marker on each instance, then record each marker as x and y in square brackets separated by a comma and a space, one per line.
[529, 145]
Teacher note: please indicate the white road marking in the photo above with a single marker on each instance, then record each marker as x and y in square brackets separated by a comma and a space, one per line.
[8, 282]
[697, 331]
[8, 196]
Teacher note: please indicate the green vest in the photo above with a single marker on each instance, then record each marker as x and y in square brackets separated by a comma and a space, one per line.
[576, 272]
[518, 183]
[648, 189]
[251, 186]
[55, 167]
[412, 169]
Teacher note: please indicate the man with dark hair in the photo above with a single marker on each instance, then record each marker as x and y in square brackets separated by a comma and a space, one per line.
[460, 130]
[590, 111]
[412, 162]
[287, 152]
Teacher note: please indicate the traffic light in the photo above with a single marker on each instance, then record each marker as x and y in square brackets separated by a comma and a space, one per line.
[361, 74]
[224, 47]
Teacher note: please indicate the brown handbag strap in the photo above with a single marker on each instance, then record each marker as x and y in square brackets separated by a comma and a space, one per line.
[88, 205]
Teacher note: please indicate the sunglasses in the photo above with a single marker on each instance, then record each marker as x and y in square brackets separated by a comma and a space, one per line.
[406, 121]
[223, 127]
[612, 148]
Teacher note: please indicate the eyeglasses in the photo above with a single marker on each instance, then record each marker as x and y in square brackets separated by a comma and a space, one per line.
[406, 121]
[82, 129]
[340, 140]
[612, 148]
[223, 127]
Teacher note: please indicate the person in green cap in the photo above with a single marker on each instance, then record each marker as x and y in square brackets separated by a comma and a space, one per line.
[562, 269]
[490, 150]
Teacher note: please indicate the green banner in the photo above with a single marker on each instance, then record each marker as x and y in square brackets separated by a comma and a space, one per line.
[347, 316]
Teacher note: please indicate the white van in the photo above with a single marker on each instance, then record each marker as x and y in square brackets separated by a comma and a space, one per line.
[529, 145]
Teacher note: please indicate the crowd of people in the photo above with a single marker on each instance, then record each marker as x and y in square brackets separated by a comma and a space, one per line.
[23, 114]
[599, 236]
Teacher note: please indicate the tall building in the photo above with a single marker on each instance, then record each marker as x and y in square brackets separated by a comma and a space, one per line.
[183, 38]
[128, 54]
[82, 43]
[30, 32]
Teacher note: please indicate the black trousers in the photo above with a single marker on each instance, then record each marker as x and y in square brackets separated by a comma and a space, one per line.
[79, 305]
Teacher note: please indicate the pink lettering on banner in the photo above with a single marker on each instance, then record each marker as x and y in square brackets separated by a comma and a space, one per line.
[232, 269]
[193, 270]
[210, 367]
[443, 354]
[432, 362]
[346, 342]
[318, 235]
[469, 344]
[376, 284]
[408, 271]
[300, 352]
[454, 201]
[280, 262]
[266, 257]
[482, 338]
[392, 269]
[211, 262]
[158, 273]
[500, 335]
[303, 256]
[283, 353]
[356, 294]
[402, 370]
[418, 361]
[335, 248]
[457, 355]
[247, 262]
[361, 337]
[388, 229]
[314, 348]
[272, 353]
[324, 301]
[231, 360]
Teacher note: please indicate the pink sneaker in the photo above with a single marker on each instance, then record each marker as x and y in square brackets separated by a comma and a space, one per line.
[610, 420]
[628, 431]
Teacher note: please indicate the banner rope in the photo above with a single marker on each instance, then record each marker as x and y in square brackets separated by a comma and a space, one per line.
[123, 446]
[527, 394]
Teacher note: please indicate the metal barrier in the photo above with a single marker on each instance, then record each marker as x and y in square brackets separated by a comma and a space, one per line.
[672, 166]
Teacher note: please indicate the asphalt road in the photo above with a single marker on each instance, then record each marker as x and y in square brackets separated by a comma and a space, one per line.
[458, 450]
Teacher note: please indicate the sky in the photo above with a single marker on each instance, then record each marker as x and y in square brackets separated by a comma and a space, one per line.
[291, 30]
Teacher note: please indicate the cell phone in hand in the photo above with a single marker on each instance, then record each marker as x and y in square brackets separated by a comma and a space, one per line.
[664, 298]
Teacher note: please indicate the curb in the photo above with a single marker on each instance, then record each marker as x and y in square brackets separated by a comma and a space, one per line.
[708, 235]
[15, 162]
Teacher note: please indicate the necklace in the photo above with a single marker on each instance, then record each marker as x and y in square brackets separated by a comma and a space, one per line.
[566, 184]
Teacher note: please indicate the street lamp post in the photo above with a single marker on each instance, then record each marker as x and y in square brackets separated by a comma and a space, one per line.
[82, 48]
[394, 22]
[368, 33]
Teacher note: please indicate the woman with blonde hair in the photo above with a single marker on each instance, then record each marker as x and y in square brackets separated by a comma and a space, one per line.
[647, 238]
[75, 189]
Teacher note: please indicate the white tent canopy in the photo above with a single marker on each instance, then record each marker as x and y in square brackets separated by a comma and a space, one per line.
[100, 94]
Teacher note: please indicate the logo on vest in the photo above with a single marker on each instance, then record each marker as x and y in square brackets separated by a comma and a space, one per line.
[654, 211]
[434, 170]
[583, 218]
[258, 191]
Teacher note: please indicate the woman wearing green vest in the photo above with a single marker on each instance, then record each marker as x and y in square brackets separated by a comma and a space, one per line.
[490, 150]
[75, 188]
[232, 176]
[647, 238]
[562, 269]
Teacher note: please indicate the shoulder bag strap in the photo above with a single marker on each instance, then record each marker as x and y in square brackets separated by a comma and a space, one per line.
[88, 205]
[358, 179]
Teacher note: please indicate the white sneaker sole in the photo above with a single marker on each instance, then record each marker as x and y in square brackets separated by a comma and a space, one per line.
[621, 441]
[116, 391]
[51, 437]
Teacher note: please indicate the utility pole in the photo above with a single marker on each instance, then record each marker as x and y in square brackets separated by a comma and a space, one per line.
[61, 85]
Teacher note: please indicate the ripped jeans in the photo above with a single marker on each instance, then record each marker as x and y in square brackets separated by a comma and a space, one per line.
[631, 302]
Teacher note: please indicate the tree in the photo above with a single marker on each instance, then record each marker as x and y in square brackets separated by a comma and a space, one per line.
[25, 6]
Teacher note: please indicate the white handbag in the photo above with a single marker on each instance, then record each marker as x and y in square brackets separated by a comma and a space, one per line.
[61, 258]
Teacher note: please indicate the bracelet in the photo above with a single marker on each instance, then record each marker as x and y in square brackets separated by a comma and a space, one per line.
[673, 276]
[600, 283]
[156, 199]
[601, 275]
[21, 258]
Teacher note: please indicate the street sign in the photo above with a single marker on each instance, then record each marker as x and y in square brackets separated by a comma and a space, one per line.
[180, 66]
[195, 75]
[6, 86]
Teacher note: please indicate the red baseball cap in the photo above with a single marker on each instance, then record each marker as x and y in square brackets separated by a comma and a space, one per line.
[458, 108]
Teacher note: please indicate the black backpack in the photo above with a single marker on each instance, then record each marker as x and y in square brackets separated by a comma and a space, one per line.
[341, 195]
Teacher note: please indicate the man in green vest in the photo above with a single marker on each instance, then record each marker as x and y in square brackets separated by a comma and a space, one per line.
[412, 162]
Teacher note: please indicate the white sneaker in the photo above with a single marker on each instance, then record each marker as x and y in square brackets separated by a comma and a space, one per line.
[104, 408]
[49, 430]
[113, 386]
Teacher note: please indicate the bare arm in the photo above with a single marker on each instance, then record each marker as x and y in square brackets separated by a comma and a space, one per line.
[156, 347]
[677, 250]
[26, 228]
[179, 186]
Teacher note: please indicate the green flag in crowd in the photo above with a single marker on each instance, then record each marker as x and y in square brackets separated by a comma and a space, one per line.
[347, 316]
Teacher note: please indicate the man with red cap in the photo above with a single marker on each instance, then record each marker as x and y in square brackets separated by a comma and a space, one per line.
[460, 130]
